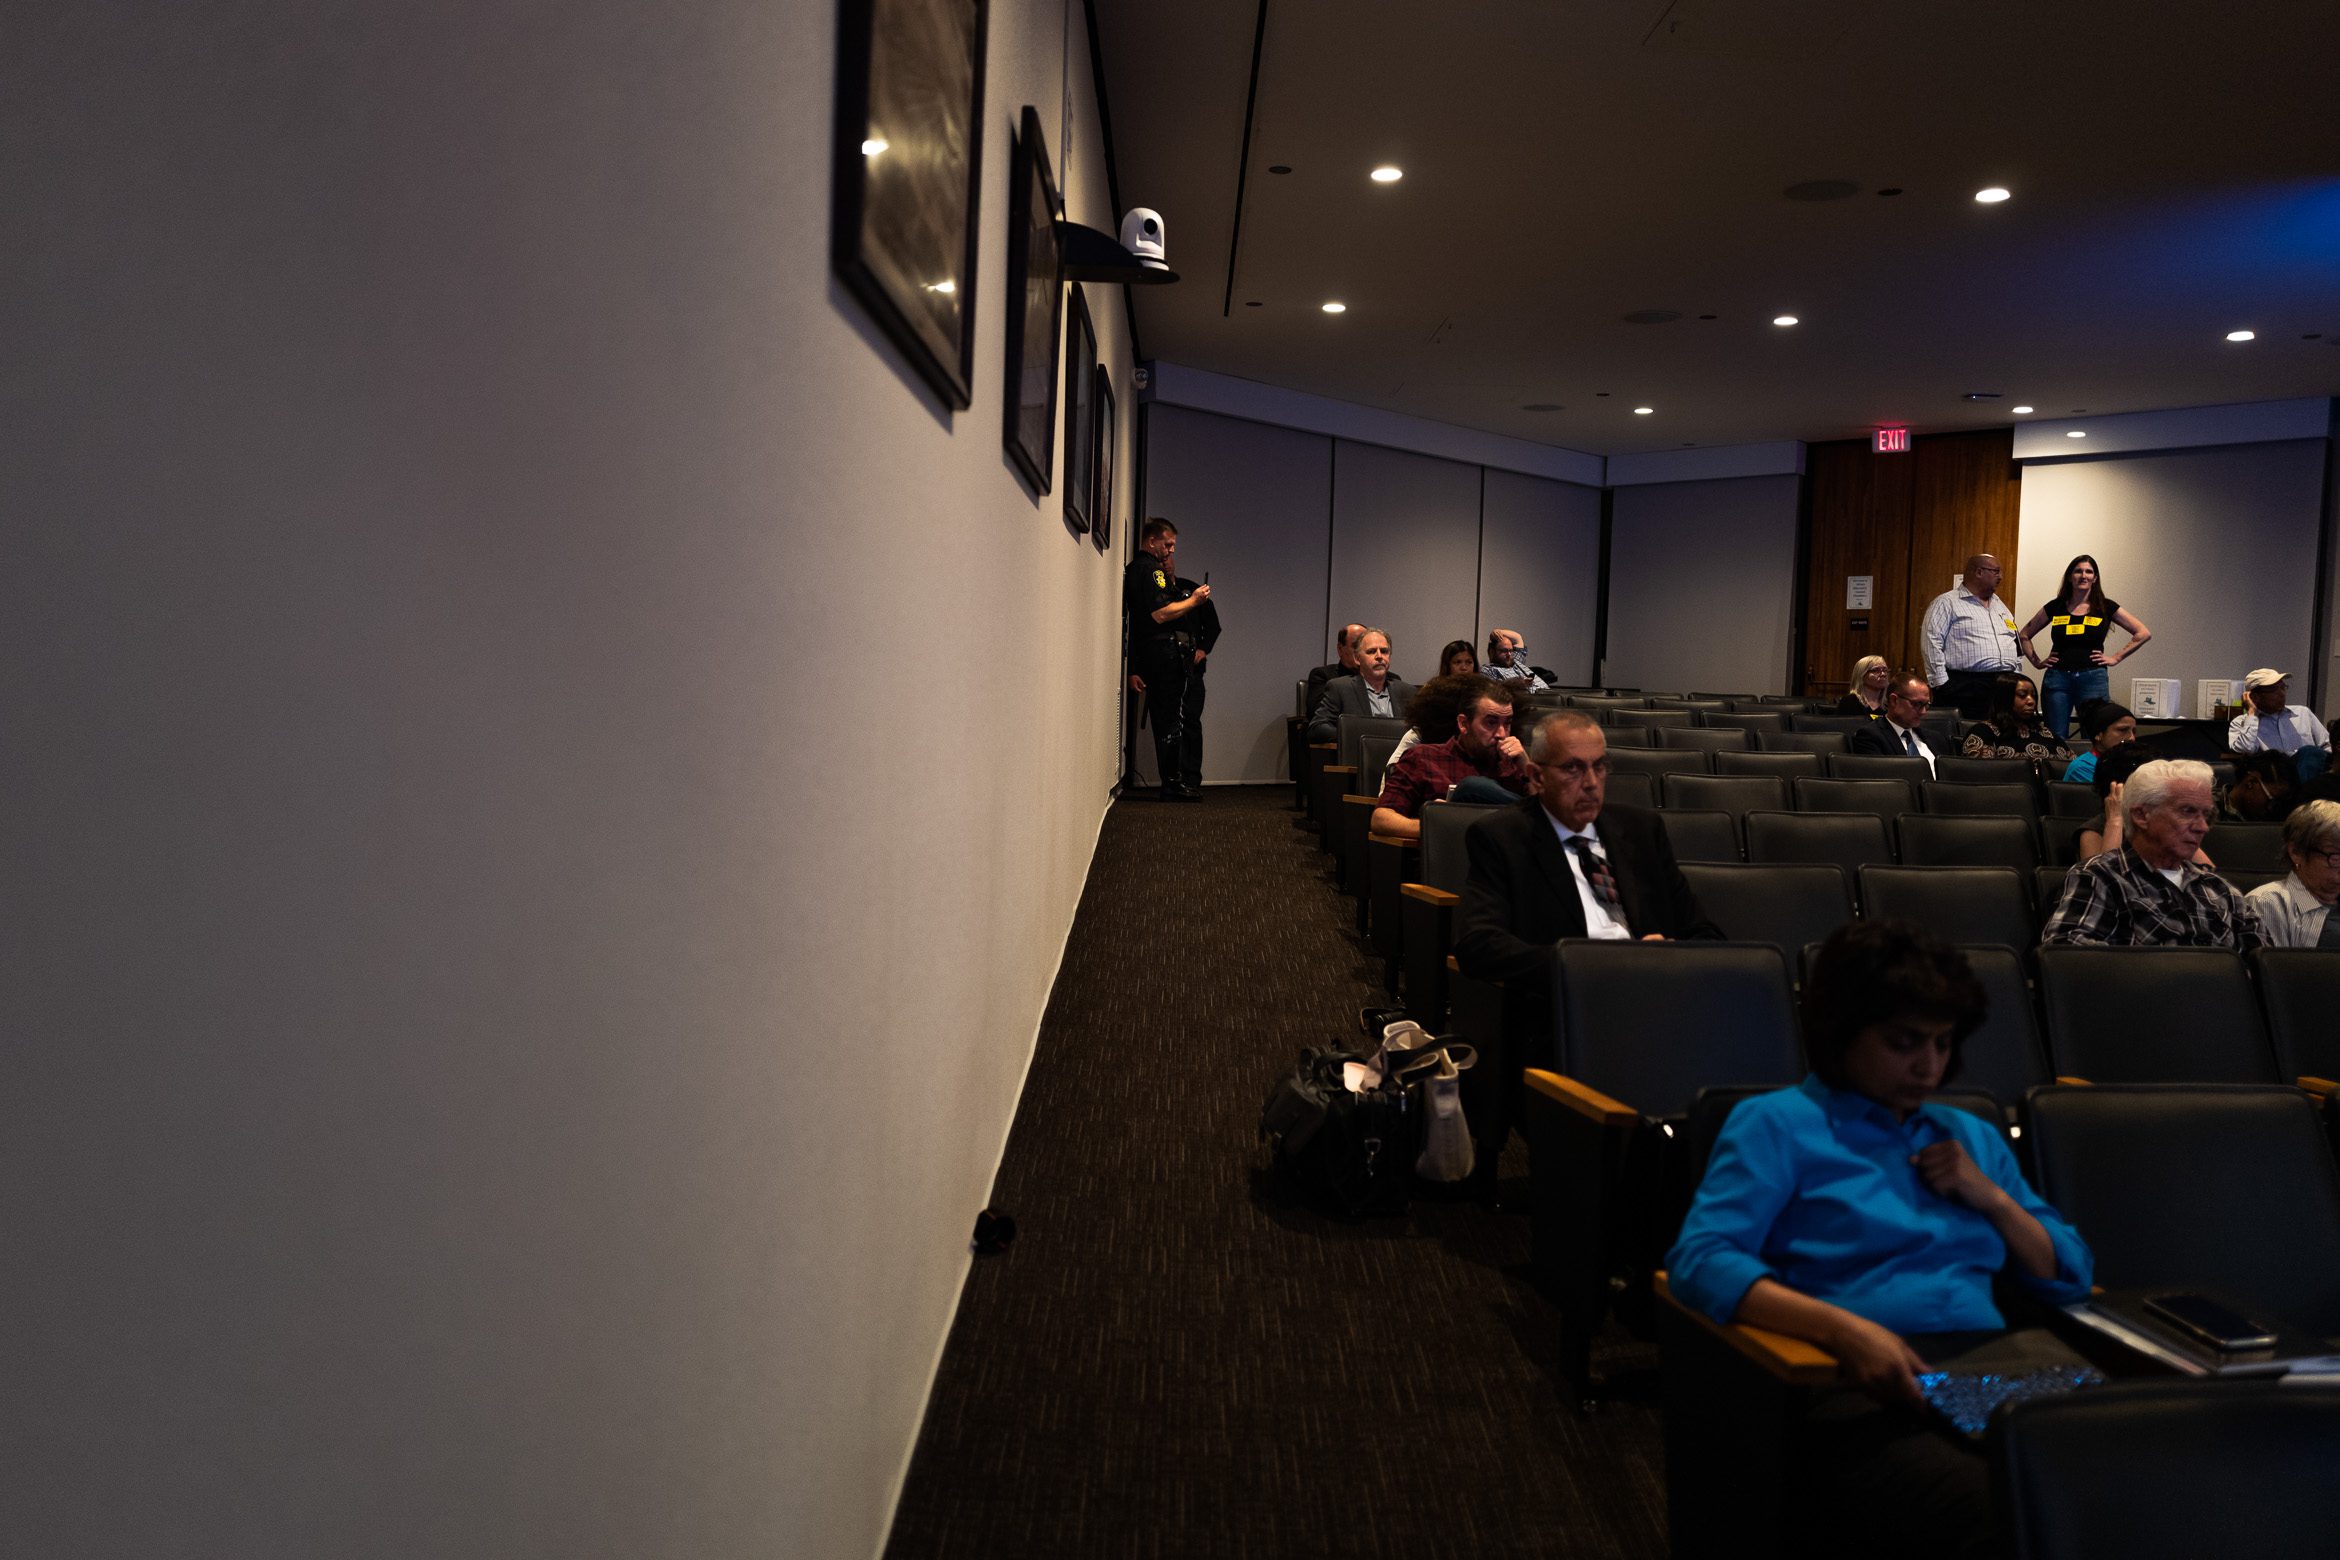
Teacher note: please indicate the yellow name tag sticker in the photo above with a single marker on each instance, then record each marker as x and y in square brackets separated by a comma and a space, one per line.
[2073, 628]
[2094, 622]
[1159, 582]
[2010, 622]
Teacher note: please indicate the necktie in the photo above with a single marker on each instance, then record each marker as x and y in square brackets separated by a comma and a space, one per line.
[1909, 743]
[1596, 872]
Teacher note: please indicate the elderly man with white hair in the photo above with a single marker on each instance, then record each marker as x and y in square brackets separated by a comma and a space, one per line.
[2150, 893]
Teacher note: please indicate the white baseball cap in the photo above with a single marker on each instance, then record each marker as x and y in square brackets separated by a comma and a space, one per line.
[2265, 677]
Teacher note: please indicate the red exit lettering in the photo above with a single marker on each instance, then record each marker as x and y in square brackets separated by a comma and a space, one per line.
[1892, 441]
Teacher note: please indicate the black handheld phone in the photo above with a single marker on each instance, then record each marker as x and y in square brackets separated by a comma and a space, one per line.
[2206, 1321]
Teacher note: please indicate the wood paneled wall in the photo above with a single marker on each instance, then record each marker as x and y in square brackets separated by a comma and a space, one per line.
[1909, 522]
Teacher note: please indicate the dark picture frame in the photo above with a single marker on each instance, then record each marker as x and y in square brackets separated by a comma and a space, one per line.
[906, 189]
[1108, 439]
[1035, 300]
[1080, 411]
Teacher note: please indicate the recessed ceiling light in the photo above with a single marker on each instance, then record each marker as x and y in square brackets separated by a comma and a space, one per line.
[2022, 410]
[1643, 411]
[2242, 335]
[2075, 434]
[1336, 308]
[874, 145]
[1991, 196]
[945, 288]
[1385, 174]
[1783, 319]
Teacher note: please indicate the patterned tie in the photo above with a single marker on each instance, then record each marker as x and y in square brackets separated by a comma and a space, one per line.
[1596, 872]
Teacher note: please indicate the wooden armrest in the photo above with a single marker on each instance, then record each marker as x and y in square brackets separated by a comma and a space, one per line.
[1360, 799]
[2321, 1088]
[1387, 839]
[2072, 1078]
[1431, 896]
[1792, 1360]
[1324, 747]
[1338, 769]
[1582, 1098]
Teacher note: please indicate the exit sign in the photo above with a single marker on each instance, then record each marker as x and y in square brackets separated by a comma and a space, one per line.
[1892, 441]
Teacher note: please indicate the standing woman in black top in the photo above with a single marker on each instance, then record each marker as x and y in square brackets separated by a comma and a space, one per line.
[2077, 667]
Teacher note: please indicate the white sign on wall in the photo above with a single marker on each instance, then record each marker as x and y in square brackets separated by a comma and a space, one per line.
[2155, 698]
[2211, 692]
[1860, 591]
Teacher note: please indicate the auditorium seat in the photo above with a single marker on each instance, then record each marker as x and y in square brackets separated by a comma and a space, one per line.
[2299, 992]
[2073, 799]
[1772, 721]
[1787, 906]
[1633, 759]
[1685, 702]
[2244, 882]
[1728, 1018]
[2170, 1468]
[2229, 1189]
[1883, 798]
[1604, 701]
[1785, 765]
[2059, 839]
[1848, 841]
[1427, 907]
[2005, 1057]
[1821, 742]
[1700, 835]
[1843, 725]
[2047, 888]
[2153, 1015]
[2246, 847]
[1878, 766]
[1984, 771]
[1734, 794]
[1957, 904]
[1649, 718]
[1930, 840]
[1983, 801]
[1631, 788]
[1711, 739]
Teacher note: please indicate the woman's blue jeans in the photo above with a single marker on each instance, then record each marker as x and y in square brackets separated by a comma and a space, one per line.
[2062, 692]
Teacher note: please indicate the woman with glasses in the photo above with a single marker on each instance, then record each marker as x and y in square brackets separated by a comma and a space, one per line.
[2297, 912]
[1866, 695]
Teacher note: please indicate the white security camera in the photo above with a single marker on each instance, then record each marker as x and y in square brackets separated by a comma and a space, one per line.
[1141, 235]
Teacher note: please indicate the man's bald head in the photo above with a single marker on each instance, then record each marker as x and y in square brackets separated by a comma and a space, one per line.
[1982, 575]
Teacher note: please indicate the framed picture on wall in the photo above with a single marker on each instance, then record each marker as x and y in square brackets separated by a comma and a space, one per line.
[1080, 412]
[1035, 296]
[1101, 512]
[907, 178]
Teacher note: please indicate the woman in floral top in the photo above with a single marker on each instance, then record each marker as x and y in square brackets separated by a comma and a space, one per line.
[2014, 729]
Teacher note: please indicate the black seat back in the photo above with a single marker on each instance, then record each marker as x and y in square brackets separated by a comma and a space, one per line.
[1649, 718]
[1846, 840]
[1772, 722]
[1878, 766]
[2014, 800]
[1880, 798]
[2153, 1015]
[1632, 788]
[2247, 847]
[1711, 739]
[2299, 991]
[1787, 906]
[1653, 1023]
[2228, 1189]
[1700, 835]
[1372, 758]
[1624, 758]
[1983, 771]
[2169, 1468]
[1356, 728]
[2073, 799]
[1785, 765]
[1957, 904]
[1820, 742]
[1844, 725]
[1929, 840]
[2003, 1058]
[1445, 859]
[1734, 794]
[2059, 839]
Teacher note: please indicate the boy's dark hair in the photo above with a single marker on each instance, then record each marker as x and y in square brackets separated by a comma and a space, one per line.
[1875, 972]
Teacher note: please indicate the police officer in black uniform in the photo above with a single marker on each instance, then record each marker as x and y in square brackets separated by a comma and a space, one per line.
[1172, 627]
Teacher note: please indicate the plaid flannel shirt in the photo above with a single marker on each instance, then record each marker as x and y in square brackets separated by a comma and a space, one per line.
[1428, 768]
[2117, 901]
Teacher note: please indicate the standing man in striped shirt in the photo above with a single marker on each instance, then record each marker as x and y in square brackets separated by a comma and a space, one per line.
[1968, 638]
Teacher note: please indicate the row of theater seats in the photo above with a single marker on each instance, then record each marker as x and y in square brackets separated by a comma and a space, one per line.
[1651, 1046]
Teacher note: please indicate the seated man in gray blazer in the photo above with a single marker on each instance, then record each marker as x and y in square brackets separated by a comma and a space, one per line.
[1565, 863]
[1372, 691]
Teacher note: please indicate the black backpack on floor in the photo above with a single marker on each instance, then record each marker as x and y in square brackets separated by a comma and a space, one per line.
[1351, 1153]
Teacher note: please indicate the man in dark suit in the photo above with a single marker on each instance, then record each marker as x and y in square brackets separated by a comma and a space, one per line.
[1344, 664]
[1563, 863]
[1896, 736]
[1372, 691]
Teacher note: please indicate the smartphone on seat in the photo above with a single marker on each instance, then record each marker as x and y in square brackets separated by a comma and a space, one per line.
[2209, 1323]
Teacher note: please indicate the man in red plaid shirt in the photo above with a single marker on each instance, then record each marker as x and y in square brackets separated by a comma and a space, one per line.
[1481, 748]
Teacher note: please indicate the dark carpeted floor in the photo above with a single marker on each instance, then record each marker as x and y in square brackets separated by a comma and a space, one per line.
[1172, 1362]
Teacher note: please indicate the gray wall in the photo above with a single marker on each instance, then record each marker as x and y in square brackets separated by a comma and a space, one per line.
[1302, 532]
[2214, 548]
[1702, 583]
[502, 1051]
